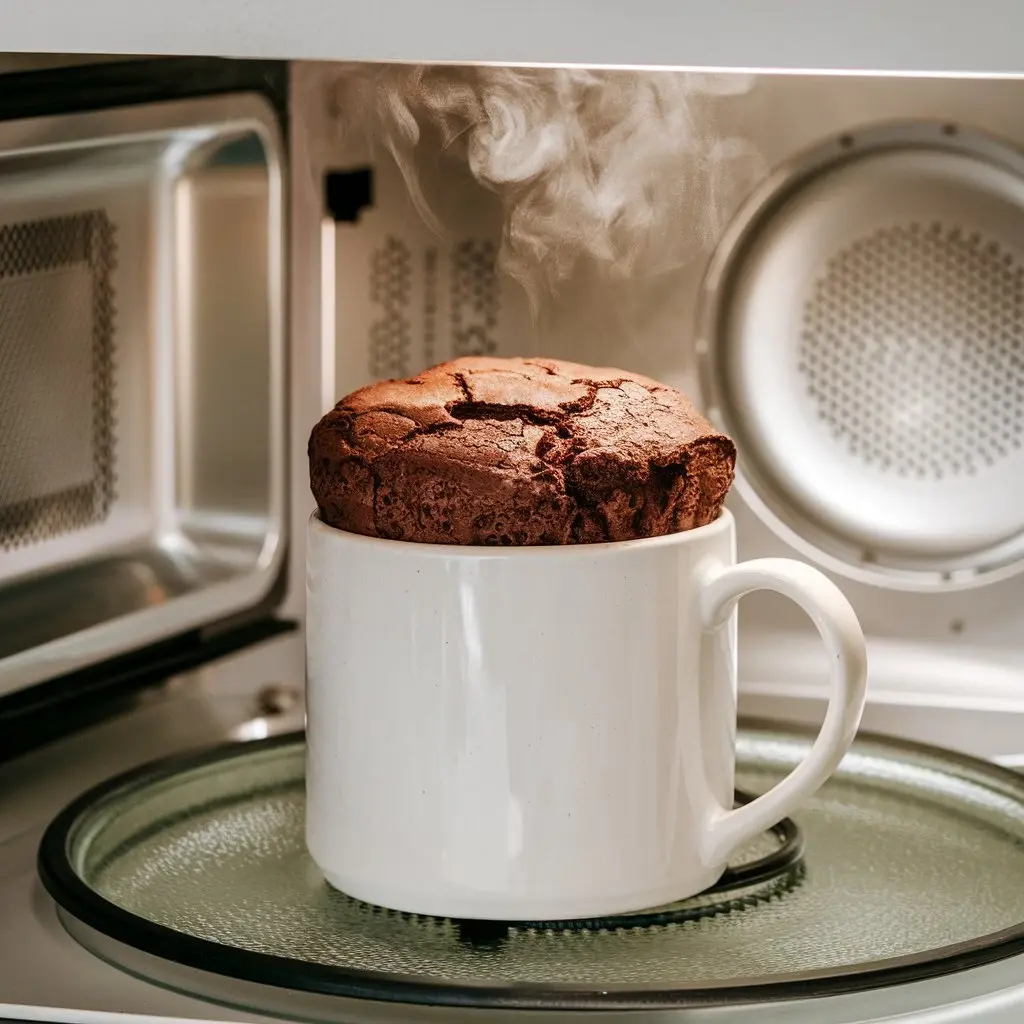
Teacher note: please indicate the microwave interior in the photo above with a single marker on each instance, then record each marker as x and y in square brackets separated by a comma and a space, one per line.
[831, 265]
[838, 281]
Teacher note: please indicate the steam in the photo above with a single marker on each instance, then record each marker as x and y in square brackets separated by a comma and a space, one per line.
[613, 173]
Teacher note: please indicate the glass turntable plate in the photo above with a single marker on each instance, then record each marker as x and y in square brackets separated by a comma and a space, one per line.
[912, 866]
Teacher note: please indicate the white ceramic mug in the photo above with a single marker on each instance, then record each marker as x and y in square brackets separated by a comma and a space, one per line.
[543, 733]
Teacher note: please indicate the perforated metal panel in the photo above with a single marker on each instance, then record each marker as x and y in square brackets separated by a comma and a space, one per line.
[864, 344]
[430, 300]
[390, 286]
[429, 303]
[475, 300]
[57, 400]
[919, 310]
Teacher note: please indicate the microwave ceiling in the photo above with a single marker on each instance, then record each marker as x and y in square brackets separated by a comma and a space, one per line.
[874, 36]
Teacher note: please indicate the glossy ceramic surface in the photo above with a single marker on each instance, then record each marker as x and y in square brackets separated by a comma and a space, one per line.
[542, 733]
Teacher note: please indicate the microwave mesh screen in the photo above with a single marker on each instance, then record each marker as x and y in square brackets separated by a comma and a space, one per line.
[412, 325]
[864, 343]
[911, 350]
[390, 293]
[56, 376]
[475, 298]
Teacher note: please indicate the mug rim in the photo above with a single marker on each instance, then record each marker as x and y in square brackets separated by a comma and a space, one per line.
[721, 524]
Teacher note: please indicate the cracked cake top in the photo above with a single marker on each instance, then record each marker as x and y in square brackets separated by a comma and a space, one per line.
[518, 451]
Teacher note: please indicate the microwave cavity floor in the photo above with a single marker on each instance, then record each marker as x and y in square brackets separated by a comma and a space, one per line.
[193, 872]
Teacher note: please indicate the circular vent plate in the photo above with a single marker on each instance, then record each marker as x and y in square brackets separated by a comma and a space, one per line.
[863, 341]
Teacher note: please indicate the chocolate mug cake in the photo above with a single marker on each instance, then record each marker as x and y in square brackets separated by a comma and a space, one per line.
[485, 451]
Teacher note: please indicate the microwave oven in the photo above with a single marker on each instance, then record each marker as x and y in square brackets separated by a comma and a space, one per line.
[199, 255]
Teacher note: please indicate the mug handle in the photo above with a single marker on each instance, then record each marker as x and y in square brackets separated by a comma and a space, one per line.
[721, 588]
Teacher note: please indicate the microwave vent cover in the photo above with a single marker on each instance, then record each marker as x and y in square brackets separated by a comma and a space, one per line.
[406, 332]
[56, 376]
[861, 335]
